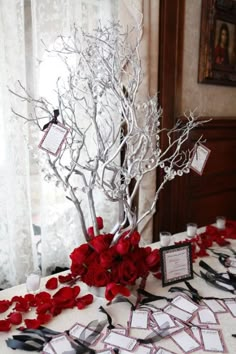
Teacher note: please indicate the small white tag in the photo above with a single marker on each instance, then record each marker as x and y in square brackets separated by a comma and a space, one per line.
[139, 319]
[62, 344]
[214, 306]
[177, 313]
[200, 158]
[231, 304]
[185, 341]
[162, 319]
[53, 138]
[120, 341]
[206, 316]
[211, 340]
[184, 304]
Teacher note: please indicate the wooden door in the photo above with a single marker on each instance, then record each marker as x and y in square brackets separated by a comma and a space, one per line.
[192, 198]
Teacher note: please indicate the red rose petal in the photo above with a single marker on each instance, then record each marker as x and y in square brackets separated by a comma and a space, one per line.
[44, 318]
[43, 296]
[65, 278]
[32, 323]
[84, 301]
[4, 305]
[52, 284]
[99, 222]
[76, 291]
[5, 325]
[15, 318]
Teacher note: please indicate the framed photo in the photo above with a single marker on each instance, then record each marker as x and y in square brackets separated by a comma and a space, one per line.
[176, 263]
[217, 57]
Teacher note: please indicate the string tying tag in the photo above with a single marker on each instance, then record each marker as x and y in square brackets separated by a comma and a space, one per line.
[109, 319]
[54, 119]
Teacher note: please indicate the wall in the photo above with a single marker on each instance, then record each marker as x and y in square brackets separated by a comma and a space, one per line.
[210, 100]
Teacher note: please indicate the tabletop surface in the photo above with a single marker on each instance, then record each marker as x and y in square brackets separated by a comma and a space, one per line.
[120, 311]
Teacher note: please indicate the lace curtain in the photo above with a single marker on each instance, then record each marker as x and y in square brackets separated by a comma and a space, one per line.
[26, 199]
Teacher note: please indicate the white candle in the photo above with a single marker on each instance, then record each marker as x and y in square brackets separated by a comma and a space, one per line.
[165, 238]
[33, 282]
[220, 222]
[191, 229]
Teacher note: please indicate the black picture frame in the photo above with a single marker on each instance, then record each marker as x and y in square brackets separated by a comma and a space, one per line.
[175, 254]
[217, 57]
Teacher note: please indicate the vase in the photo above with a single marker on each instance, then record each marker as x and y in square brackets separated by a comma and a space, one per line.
[97, 291]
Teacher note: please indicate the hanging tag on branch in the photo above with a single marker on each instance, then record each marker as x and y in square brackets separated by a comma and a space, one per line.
[200, 158]
[54, 136]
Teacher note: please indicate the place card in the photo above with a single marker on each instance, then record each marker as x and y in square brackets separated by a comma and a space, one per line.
[61, 344]
[47, 349]
[162, 319]
[120, 341]
[139, 319]
[54, 138]
[231, 305]
[196, 333]
[178, 313]
[84, 334]
[206, 316]
[215, 306]
[184, 304]
[199, 159]
[186, 342]
[212, 340]
[176, 263]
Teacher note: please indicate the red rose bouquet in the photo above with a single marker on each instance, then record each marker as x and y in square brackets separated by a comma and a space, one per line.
[100, 263]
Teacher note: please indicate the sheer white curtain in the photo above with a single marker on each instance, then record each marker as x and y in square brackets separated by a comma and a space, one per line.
[25, 198]
[23, 191]
[16, 255]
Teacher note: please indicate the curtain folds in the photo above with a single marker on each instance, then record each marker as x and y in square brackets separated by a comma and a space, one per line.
[26, 199]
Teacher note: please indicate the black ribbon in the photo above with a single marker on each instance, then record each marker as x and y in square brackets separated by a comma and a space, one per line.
[24, 345]
[109, 319]
[150, 297]
[153, 338]
[214, 276]
[54, 119]
[124, 299]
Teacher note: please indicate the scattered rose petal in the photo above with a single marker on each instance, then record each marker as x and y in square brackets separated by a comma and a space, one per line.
[15, 318]
[52, 283]
[5, 325]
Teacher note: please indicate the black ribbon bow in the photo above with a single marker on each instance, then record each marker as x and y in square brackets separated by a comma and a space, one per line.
[54, 119]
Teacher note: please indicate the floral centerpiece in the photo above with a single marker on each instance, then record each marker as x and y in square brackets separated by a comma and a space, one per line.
[115, 137]
[116, 266]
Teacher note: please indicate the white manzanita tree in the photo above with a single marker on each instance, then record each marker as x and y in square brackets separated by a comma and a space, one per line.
[114, 136]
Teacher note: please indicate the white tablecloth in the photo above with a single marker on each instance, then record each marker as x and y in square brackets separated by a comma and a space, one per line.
[120, 311]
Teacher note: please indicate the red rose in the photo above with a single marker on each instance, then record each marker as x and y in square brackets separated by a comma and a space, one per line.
[101, 243]
[80, 254]
[127, 272]
[135, 238]
[99, 222]
[153, 259]
[52, 283]
[5, 325]
[107, 258]
[123, 246]
[90, 232]
[96, 276]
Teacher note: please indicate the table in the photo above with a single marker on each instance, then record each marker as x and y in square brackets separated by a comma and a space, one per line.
[118, 311]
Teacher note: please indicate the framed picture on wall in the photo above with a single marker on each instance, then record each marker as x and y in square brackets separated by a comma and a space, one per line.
[217, 57]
